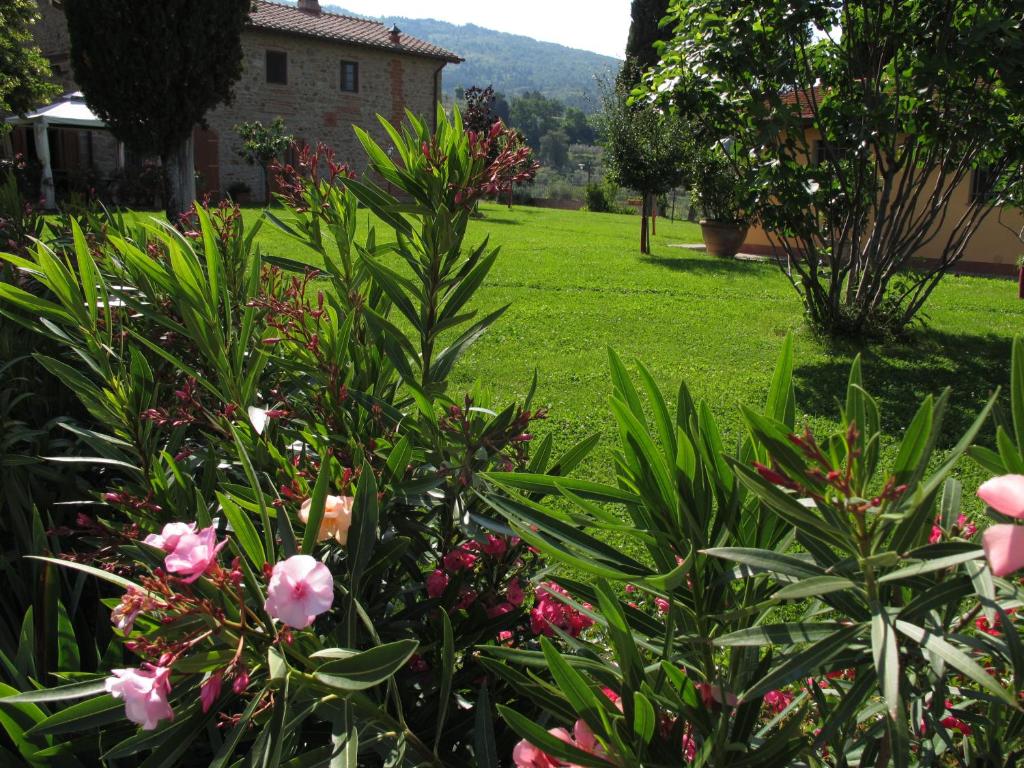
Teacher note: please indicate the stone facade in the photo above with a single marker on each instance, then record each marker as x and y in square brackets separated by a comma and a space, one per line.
[311, 103]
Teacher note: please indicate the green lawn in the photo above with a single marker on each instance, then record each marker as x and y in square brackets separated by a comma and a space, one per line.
[577, 285]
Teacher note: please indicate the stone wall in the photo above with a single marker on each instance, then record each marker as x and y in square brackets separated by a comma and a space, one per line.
[312, 104]
[51, 35]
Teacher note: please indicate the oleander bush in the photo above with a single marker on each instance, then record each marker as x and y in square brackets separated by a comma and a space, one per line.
[266, 531]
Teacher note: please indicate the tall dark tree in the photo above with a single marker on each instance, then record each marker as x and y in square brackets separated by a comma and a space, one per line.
[24, 73]
[644, 31]
[151, 69]
[479, 114]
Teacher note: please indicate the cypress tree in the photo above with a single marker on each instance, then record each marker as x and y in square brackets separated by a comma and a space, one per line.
[151, 69]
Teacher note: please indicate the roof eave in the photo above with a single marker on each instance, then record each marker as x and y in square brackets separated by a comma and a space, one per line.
[448, 58]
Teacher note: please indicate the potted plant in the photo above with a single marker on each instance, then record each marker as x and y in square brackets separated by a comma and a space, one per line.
[723, 194]
[239, 192]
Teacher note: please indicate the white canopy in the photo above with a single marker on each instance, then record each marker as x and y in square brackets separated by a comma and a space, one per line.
[69, 110]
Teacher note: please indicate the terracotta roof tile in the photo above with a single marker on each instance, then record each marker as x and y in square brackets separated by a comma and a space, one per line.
[344, 29]
[807, 100]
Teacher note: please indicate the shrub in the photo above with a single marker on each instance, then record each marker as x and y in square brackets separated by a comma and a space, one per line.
[283, 495]
[600, 198]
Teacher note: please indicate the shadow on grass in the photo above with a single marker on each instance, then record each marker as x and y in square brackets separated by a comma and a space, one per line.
[687, 260]
[899, 375]
[496, 220]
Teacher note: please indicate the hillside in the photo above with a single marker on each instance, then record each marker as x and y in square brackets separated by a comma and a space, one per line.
[513, 64]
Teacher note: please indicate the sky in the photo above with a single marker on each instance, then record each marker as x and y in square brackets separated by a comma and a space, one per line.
[593, 25]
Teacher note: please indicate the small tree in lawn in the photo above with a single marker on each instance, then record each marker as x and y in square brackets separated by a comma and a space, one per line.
[262, 145]
[152, 70]
[647, 149]
[862, 121]
[24, 72]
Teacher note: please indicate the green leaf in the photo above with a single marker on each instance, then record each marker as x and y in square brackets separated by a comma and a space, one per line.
[781, 405]
[572, 685]
[485, 750]
[245, 532]
[804, 663]
[931, 564]
[362, 535]
[1017, 390]
[447, 673]
[60, 693]
[644, 718]
[317, 505]
[92, 713]
[816, 585]
[113, 578]
[357, 671]
[955, 658]
[767, 560]
[886, 655]
[550, 484]
[779, 634]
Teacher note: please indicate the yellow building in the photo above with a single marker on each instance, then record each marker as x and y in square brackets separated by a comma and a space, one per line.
[994, 249]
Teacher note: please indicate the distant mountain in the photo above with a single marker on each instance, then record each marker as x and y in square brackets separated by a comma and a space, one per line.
[513, 64]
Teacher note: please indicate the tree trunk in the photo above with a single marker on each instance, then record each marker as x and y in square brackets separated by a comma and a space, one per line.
[654, 215]
[179, 165]
[645, 237]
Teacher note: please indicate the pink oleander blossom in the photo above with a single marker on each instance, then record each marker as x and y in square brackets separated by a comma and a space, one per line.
[209, 691]
[144, 692]
[193, 554]
[777, 701]
[459, 559]
[437, 583]
[1005, 494]
[514, 594]
[526, 755]
[1004, 548]
[300, 589]
[168, 538]
[337, 518]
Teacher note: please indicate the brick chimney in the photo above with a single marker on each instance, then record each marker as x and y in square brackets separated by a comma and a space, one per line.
[310, 6]
[396, 34]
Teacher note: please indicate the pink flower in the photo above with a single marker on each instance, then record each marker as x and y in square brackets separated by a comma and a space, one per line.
[300, 589]
[437, 583]
[337, 518]
[712, 694]
[193, 553]
[495, 547]
[466, 598]
[458, 560]
[145, 694]
[936, 536]
[209, 691]
[777, 701]
[525, 755]
[967, 528]
[514, 593]
[1004, 494]
[168, 538]
[662, 604]
[1004, 548]
[499, 610]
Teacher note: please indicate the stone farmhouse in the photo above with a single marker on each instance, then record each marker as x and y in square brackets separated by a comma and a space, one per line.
[321, 72]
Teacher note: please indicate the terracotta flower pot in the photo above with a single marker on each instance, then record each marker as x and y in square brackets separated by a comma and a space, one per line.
[723, 238]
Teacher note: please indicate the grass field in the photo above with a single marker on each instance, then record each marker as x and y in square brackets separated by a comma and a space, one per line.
[577, 285]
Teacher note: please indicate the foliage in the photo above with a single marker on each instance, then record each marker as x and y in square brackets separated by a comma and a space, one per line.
[857, 140]
[163, 89]
[646, 149]
[720, 185]
[601, 198]
[810, 611]
[480, 112]
[263, 144]
[24, 71]
[232, 401]
[646, 35]
[554, 148]
[535, 115]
